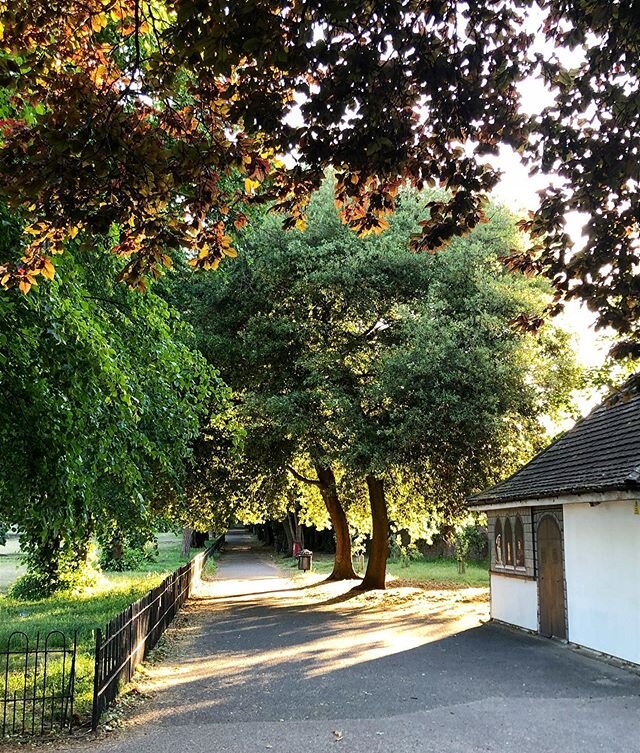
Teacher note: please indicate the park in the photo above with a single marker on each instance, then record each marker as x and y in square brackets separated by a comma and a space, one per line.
[320, 380]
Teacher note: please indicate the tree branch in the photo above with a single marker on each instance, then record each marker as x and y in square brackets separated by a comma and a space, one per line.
[136, 11]
[304, 479]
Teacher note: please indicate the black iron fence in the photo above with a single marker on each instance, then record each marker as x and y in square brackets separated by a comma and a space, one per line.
[128, 638]
[39, 678]
[39, 673]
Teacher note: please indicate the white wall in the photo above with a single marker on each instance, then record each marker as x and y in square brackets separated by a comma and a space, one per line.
[602, 561]
[514, 600]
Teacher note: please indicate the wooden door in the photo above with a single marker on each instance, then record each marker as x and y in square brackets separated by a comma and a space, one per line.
[551, 578]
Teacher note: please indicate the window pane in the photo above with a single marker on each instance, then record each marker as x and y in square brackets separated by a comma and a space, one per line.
[508, 543]
[498, 543]
[519, 536]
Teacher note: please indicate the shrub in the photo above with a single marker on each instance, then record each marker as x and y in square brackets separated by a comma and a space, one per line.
[124, 556]
[35, 585]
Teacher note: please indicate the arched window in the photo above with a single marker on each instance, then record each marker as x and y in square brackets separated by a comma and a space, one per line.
[497, 539]
[508, 543]
[519, 537]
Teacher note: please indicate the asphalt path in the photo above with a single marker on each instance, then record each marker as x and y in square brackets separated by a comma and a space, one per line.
[261, 668]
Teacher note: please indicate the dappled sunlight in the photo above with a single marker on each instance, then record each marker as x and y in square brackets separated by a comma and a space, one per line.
[342, 634]
[230, 587]
[152, 715]
[261, 645]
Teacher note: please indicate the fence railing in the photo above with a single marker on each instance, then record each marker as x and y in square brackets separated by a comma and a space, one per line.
[39, 679]
[128, 638]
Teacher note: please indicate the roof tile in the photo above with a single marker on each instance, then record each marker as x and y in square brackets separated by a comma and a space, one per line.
[600, 453]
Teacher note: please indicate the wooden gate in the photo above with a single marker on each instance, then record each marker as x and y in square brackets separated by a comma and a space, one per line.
[551, 578]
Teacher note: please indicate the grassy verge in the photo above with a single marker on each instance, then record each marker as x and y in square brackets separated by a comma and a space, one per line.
[440, 573]
[211, 565]
[83, 613]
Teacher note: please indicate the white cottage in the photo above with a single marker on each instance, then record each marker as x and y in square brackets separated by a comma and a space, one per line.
[564, 534]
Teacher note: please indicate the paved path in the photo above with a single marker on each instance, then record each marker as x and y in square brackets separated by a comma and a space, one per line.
[268, 666]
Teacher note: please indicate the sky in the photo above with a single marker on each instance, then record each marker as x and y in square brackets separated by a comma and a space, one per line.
[518, 191]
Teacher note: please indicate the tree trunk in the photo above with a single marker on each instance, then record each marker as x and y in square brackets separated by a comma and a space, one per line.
[296, 529]
[187, 535]
[198, 539]
[48, 564]
[116, 548]
[342, 566]
[289, 534]
[377, 566]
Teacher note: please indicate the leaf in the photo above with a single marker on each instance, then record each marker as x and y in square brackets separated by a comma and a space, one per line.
[250, 185]
[48, 270]
[240, 221]
[565, 78]
[98, 22]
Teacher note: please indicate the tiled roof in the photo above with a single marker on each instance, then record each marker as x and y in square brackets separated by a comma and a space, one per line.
[600, 453]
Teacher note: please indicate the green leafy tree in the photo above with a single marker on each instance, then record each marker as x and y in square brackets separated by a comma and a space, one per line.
[452, 398]
[356, 358]
[102, 395]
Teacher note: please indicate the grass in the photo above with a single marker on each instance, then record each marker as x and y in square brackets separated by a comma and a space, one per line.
[440, 573]
[443, 571]
[10, 563]
[85, 612]
[211, 565]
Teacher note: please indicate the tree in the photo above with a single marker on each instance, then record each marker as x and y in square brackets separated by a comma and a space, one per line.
[453, 399]
[357, 358]
[389, 92]
[102, 395]
[266, 350]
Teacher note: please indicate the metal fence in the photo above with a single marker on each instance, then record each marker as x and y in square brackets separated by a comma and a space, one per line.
[128, 638]
[39, 678]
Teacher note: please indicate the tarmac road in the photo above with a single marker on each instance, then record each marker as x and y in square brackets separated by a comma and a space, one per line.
[262, 667]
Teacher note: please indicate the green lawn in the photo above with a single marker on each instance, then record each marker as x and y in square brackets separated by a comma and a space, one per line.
[10, 564]
[441, 573]
[113, 593]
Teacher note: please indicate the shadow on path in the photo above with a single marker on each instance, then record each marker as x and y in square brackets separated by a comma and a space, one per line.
[269, 664]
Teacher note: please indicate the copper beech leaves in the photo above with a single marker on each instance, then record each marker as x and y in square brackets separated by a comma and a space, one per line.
[152, 116]
[214, 249]
[144, 109]
[103, 134]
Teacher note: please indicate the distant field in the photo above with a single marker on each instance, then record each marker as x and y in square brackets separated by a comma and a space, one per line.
[10, 566]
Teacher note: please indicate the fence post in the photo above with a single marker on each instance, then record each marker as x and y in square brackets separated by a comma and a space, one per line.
[95, 715]
[129, 641]
[72, 680]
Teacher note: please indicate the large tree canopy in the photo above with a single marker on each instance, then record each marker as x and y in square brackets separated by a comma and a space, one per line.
[140, 113]
[356, 359]
[102, 393]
